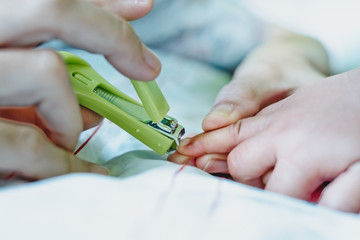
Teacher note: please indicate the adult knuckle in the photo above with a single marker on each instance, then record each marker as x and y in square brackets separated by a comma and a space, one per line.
[29, 142]
[55, 7]
[51, 65]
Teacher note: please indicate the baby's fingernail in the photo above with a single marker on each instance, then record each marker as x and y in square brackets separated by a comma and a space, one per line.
[223, 110]
[151, 59]
[207, 164]
[266, 177]
[184, 142]
[99, 169]
[180, 159]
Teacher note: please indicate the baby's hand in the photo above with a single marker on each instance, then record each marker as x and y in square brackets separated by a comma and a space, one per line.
[293, 146]
[270, 73]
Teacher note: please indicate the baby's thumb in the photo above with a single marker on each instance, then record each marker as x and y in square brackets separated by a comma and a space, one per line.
[234, 102]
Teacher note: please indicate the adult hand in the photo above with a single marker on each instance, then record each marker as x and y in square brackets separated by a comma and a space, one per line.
[38, 78]
[293, 146]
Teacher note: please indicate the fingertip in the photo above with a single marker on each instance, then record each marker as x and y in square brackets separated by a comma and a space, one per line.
[138, 9]
[234, 165]
[183, 144]
[141, 63]
[152, 61]
[130, 10]
[179, 158]
[265, 178]
[343, 192]
[220, 116]
[192, 146]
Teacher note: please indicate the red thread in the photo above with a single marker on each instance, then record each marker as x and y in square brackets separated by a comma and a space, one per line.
[10, 176]
[179, 170]
[315, 196]
[174, 177]
[164, 196]
[87, 140]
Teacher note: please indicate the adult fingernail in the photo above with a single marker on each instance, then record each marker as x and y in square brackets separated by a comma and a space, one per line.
[152, 60]
[99, 169]
[137, 2]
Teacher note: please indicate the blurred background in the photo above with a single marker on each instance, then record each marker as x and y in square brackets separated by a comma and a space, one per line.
[335, 23]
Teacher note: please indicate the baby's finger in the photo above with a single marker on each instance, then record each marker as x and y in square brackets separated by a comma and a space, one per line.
[213, 163]
[234, 102]
[26, 150]
[179, 158]
[343, 193]
[252, 159]
[128, 9]
[38, 78]
[294, 178]
[222, 140]
[81, 24]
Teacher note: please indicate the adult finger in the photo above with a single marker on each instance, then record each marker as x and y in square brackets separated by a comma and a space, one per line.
[83, 25]
[38, 78]
[128, 9]
[27, 151]
[343, 193]
[29, 115]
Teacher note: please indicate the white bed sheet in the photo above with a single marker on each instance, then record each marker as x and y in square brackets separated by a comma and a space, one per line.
[149, 198]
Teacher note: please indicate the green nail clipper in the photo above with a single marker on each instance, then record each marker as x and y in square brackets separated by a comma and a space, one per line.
[147, 122]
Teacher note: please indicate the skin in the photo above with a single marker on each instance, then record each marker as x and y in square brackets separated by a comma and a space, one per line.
[294, 145]
[283, 126]
[40, 117]
[285, 62]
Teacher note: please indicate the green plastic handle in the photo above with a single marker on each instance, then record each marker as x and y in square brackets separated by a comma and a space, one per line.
[152, 98]
[100, 96]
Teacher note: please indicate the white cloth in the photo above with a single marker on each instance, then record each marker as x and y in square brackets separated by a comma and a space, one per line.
[151, 199]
